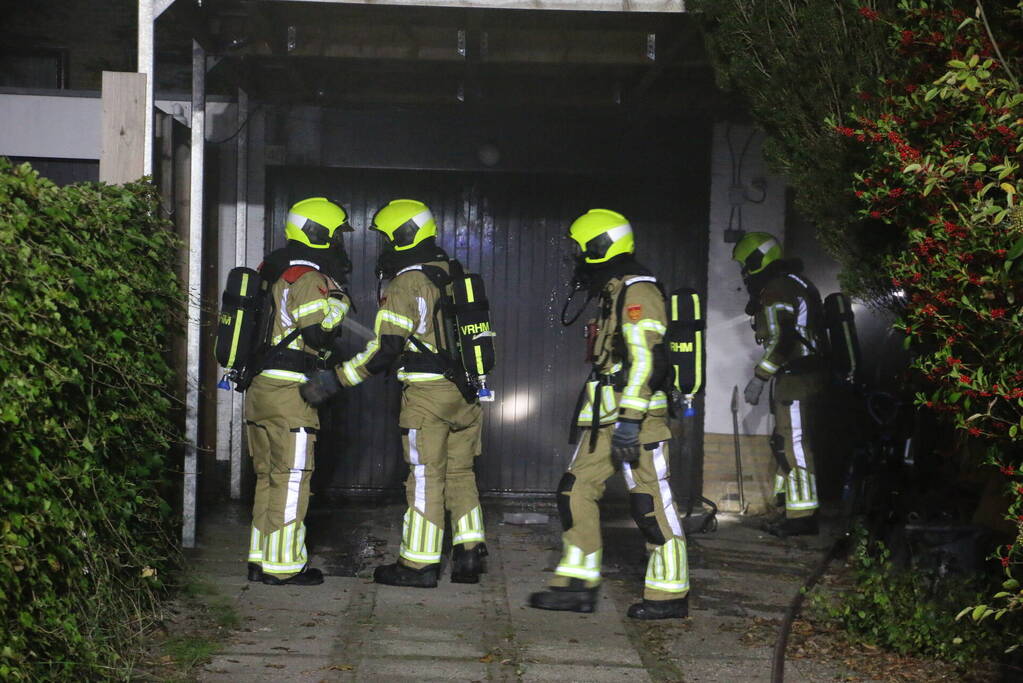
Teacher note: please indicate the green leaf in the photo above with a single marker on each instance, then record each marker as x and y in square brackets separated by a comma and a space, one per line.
[1016, 250]
[978, 612]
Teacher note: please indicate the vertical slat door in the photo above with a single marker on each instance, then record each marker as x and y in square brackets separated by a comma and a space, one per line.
[511, 228]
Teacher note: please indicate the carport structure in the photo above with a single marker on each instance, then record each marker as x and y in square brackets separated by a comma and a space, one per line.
[508, 117]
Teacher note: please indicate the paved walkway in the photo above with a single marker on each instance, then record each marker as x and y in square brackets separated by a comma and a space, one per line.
[350, 629]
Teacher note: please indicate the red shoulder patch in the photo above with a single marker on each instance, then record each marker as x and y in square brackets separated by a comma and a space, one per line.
[635, 312]
[292, 274]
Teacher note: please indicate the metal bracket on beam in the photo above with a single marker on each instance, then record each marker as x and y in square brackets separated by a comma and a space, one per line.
[161, 6]
[292, 38]
[651, 47]
[461, 43]
[179, 111]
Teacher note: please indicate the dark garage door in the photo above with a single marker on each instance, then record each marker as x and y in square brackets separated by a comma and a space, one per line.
[510, 228]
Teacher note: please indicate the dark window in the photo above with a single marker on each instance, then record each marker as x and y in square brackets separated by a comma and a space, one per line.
[36, 68]
[64, 171]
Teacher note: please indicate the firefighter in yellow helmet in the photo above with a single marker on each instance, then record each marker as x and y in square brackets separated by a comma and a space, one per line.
[440, 423]
[309, 298]
[623, 417]
[788, 322]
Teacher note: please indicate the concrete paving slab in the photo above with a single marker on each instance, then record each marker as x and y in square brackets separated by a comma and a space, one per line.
[421, 669]
[350, 629]
[569, 672]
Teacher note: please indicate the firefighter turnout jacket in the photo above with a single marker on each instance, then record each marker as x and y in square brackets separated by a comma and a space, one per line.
[788, 323]
[281, 427]
[629, 369]
[441, 430]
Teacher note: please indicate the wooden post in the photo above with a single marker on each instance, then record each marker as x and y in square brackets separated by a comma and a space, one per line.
[122, 155]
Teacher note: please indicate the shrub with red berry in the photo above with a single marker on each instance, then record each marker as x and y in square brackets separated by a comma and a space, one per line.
[943, 139]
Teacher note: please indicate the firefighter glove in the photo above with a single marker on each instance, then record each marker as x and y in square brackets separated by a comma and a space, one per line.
[753, 389]
[625, 441]
[320, 388]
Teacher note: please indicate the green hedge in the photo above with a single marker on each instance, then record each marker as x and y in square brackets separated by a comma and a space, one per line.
[88, 299]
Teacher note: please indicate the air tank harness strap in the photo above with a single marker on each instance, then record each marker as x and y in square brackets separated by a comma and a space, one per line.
[424, 361]
[432, 361]
[294, 361]
[603, 380]
[280, 357]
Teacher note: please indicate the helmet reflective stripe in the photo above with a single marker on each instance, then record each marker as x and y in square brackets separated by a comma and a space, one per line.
[317, 234]
[602, 234]
[756, 250]
[619, 232]
[405, 223]
[316, 222]
[422, 218]
[767, 246]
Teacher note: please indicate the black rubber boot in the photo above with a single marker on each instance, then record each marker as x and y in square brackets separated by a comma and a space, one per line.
[467, 565]
[798, 526]
[575, 597]
[255, 572]
[398, 574]
[306, 577]
[660, 609]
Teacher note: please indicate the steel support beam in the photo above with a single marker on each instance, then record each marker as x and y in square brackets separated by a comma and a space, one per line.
[240, 245]
[579, 5]
[149, 10]
[193, 328]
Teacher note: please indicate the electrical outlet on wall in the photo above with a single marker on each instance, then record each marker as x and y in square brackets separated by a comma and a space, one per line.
[733, 236]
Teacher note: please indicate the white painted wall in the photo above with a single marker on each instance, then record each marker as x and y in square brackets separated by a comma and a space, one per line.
[51, 127]
[731, 351]
[69, 126]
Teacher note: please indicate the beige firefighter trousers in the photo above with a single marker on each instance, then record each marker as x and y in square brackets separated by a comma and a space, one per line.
[281, 430]
[441, 435]
[653, 510]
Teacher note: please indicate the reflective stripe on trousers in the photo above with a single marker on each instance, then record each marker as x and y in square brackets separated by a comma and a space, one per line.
[420, 538]
[469, 528]
[668, 567]
[284, 550]
[578, 565]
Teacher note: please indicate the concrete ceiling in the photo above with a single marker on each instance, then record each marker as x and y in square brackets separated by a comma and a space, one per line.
[318, 52]
[543, 5]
